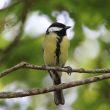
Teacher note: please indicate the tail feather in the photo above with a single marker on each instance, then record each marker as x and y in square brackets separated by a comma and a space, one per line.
[58, 95]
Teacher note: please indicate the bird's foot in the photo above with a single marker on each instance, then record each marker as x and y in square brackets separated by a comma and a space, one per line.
[69, 70]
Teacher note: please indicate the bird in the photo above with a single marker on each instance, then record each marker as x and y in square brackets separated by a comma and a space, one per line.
[55, 46]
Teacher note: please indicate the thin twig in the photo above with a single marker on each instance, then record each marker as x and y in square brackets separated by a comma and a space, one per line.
[36, 67]
[36, 91]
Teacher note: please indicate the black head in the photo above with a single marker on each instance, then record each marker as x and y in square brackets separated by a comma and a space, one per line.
[58, 28]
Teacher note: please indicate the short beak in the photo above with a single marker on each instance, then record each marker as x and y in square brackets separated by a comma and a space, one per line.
[67, 27]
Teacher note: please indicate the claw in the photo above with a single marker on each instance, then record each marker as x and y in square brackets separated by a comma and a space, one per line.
[69, 70]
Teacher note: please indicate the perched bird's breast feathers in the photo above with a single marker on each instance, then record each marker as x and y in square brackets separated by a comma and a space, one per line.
[64, 50]
[50, 47]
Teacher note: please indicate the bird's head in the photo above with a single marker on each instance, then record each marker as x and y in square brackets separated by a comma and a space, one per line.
[58, 28]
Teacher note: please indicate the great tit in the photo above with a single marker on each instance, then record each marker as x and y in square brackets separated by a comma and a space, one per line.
[55, 47]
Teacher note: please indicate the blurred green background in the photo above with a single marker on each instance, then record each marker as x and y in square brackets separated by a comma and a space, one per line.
[22, 28]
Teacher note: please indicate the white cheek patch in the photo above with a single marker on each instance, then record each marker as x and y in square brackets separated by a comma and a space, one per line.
[52, 29]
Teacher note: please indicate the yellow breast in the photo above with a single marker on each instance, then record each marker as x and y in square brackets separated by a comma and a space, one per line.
[50, 45]
[64, 50]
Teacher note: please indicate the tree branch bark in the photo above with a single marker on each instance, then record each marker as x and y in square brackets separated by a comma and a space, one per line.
[24, 65]
[36, 91]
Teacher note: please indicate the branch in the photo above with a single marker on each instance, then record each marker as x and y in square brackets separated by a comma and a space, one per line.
[34, 91]
[36, 67]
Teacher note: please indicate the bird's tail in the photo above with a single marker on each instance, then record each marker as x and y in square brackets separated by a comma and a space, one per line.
[58, 95]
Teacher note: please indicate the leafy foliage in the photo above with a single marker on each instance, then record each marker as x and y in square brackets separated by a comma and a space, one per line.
[89, 13]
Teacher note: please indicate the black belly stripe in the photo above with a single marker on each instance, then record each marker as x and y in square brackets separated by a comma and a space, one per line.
[58, 51]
